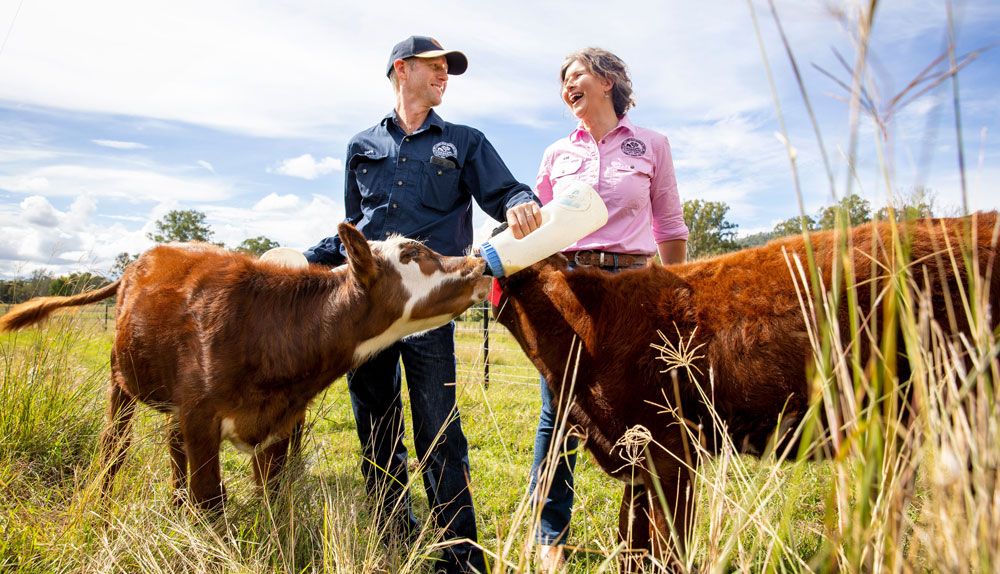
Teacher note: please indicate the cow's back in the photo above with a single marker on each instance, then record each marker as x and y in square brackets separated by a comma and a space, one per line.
[943, 249]
[747, 308]
[757, 290]
[157, 323]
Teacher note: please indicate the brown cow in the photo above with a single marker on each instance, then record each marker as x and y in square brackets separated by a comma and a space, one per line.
[235, 348]
[742, 315]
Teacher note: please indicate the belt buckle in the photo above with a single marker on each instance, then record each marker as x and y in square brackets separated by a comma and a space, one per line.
[581, 258]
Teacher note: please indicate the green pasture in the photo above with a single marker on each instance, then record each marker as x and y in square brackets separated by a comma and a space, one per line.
[52, 520]
[753, 515]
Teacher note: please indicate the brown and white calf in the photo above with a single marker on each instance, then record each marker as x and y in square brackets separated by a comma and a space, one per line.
[235, 348]
[740, 316]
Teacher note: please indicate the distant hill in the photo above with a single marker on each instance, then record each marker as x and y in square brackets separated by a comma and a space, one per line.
[756, 239]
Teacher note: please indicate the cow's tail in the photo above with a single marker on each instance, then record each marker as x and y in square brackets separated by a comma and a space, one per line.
[39, 308]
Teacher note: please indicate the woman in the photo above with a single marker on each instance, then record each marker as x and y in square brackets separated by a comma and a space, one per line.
[631, 169]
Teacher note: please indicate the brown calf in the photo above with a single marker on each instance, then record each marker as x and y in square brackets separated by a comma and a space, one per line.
[742, 313]
[235, 348]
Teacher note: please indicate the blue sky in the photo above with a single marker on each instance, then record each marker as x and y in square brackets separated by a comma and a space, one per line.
[113, 113]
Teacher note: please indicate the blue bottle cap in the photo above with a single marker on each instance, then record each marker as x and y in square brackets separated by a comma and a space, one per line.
[492, 259]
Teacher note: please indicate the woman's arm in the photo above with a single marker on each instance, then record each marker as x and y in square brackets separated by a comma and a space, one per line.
[672, 251]
[669, 230]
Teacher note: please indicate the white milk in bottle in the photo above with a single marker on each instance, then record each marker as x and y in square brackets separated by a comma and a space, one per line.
[574, 212]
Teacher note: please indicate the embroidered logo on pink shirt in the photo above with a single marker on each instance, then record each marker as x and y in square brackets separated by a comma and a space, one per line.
[633, 147]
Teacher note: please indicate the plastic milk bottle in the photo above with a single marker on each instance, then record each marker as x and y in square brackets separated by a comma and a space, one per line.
[574, 212]
[285, 256]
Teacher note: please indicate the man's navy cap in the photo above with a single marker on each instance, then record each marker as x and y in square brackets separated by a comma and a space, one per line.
[427, 47]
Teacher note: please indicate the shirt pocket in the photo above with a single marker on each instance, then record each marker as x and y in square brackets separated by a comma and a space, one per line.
[370, 172]
[439, 189]
[632, 182]
[565, 168]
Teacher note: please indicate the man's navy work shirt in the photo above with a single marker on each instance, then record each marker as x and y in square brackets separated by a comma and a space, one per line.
[421, 186]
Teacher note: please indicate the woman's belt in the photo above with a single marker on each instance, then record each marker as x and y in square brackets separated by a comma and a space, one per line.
[607, 259]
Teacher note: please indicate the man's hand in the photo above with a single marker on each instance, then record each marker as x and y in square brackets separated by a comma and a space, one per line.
[524, 218]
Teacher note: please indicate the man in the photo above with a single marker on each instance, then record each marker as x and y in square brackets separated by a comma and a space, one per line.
[415, 175]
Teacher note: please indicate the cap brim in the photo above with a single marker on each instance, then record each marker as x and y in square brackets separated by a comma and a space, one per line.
[457, 62]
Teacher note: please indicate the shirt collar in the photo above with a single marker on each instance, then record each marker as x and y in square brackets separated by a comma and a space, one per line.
[433, 119]
[623, 123]
[626, 124]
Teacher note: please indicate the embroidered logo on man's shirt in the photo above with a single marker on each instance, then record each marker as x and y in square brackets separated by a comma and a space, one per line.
[444, 149]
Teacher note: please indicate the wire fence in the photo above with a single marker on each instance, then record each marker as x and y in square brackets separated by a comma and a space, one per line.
[486, 352]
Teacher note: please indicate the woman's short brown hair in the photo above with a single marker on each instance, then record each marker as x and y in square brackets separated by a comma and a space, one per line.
[607, 66]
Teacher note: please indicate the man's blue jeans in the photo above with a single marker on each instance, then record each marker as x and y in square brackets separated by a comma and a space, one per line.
[429, 360]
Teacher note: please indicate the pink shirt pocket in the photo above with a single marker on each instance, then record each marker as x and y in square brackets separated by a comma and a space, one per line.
[630, 179]
[565, 168]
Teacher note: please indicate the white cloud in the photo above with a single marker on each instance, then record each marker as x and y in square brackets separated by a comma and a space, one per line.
[53, 236]
[114, 144]
[306, 167]
[25, 184]
[299, 226]
[206, 165]
[41, 246]
[733, 142]
[75, 241]
[22, 154]
[276, 202]
[130, 184]
[60, 252]
[80, 211]
[267, 69]
[43, 242]
[732, 160]
[38, 211]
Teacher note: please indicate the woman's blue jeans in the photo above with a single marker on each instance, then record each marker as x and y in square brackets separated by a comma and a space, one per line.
[557, 503]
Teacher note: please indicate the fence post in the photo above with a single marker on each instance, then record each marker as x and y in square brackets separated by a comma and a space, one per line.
[486, 344]
[106, 307]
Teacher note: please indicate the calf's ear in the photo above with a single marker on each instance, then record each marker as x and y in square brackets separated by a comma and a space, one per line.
[360, 260]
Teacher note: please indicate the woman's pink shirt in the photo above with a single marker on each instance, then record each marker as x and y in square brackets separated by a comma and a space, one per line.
[633, 172]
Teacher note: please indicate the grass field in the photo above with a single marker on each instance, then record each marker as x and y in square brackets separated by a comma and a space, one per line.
[853, 513]
[53, 393]
[52, 520]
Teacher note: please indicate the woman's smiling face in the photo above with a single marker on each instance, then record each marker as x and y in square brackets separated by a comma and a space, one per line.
[583, 91]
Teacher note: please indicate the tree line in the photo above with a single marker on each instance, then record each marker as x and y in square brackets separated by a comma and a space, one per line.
[176, 226]
[184, 226]
[711, 233]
